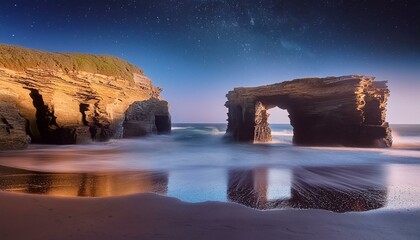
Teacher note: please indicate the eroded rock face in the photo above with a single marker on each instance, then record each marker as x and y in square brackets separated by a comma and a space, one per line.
[74, 101]
[262, 131]
[347, 110]
[12, 126]
[146, 117]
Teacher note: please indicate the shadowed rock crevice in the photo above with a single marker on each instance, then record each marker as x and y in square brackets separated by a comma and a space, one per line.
[44, 116]
[95, 125]
[46, 122]
[83, 108]
[348, 110]
[163, 124]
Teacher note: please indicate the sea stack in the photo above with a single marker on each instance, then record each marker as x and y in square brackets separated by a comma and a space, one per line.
[68, 98]
[346, 111]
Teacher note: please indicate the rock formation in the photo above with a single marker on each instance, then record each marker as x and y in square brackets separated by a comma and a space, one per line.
[60, 98]
[145, 117]
[347, 110]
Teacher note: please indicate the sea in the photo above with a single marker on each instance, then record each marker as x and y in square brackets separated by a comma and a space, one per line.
[198, 163]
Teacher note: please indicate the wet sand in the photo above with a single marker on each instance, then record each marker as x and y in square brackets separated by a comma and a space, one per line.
[150, 216]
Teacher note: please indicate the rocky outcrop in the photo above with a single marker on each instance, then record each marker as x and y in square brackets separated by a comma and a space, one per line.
[347, 110]
[146, 117]
[67, 98]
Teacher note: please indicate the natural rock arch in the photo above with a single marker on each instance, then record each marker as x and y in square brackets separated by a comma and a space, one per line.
[347, 110]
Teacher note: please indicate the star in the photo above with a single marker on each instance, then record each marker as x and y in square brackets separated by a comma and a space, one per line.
[252, 22]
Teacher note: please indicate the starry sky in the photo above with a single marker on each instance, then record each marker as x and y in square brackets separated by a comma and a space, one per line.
[197, 50]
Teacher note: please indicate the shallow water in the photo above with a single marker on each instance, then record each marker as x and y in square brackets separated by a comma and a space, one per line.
[195, 163]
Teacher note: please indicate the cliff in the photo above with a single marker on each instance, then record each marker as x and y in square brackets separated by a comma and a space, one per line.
[62, 98]
[347, 110]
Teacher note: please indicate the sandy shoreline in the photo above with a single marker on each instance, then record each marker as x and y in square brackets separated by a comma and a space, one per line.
[149, 216]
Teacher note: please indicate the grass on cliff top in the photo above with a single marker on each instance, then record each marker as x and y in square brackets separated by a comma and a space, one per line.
[20, 58]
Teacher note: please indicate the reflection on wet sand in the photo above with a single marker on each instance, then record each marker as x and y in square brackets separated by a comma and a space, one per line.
[248, 187]
[339, 189]
[82, 184]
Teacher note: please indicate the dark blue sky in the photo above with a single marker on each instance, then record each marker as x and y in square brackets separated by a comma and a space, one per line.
[197, 50]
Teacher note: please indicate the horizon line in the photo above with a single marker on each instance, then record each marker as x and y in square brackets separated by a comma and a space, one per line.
[273, 123]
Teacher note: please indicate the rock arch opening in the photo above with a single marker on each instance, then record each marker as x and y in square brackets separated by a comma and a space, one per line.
[278, 116]
[46, 129]
[45, 119]
[265, 122]
[279, 123]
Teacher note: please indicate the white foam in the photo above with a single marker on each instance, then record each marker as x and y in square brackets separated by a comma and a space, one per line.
[287, 133]
[215, 131]
[180, 128]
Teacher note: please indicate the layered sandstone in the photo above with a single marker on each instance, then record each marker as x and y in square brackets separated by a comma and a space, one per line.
[347, 110]
[67, 98]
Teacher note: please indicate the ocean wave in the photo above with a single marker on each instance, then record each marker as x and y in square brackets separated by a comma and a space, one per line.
[288, 133]
[198, 145]
[215, 130]
[180, 128]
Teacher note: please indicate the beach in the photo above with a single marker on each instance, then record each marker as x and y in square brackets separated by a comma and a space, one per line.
[150, 216]
[177, 187]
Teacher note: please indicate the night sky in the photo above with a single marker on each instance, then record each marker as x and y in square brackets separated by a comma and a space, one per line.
[197, 50]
